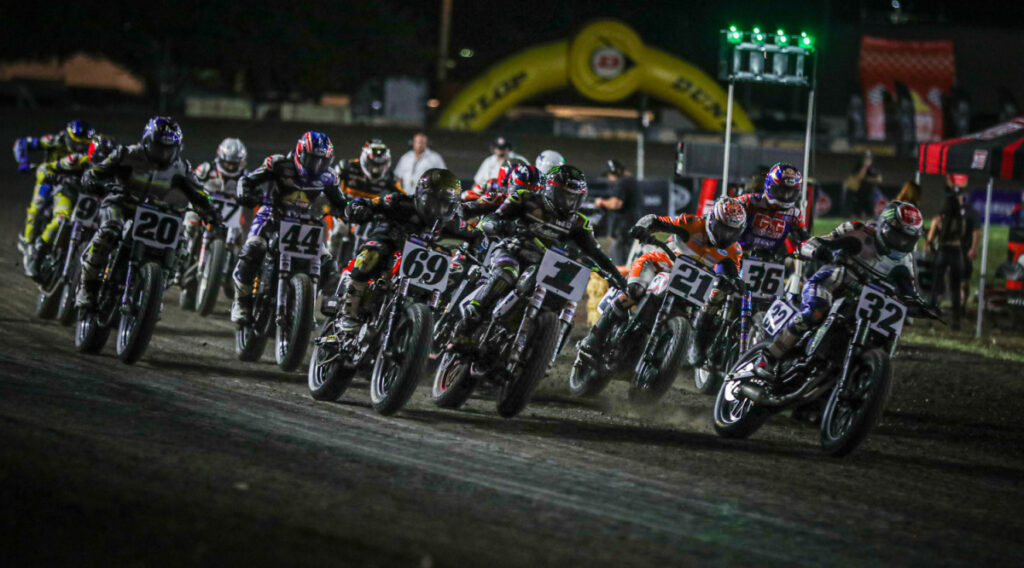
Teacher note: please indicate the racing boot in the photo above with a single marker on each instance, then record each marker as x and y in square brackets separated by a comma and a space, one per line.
[85, 297]
[350, 319]
[767, 367]
[241, 306]
[39, 254]
[703, 331]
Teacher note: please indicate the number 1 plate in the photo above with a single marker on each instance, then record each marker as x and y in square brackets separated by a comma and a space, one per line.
[562, 276]
[884, 313]
[690, 281]
[423, 267]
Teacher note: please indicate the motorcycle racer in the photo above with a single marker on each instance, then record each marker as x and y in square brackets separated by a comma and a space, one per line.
[883, 245]
[151, 169]
[295, 181]
[220, 178]
[514, 176]
[370, 174]
[772, 214]
[711, 240]
[547, 160]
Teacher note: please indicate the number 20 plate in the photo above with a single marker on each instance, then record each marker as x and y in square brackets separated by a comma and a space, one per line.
[155, 228]
[884, 314]
[423, 267]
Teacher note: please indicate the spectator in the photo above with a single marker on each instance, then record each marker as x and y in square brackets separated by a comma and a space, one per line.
[415, 162]
[910, 193]
[501, 150]
[949, 229]
[860, 188]
[627, 202]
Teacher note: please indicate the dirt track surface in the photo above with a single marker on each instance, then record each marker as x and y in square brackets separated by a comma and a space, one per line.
[192, 458]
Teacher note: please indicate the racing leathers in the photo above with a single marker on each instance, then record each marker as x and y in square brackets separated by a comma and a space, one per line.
[859, 242]
[689, 238]
[63, 178]
[54, 147]
[526, 228]
[769, 226]
[129, 178]
[356, 184]
[286, 190]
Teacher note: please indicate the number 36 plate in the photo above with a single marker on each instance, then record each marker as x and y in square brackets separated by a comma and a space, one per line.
[423, 267]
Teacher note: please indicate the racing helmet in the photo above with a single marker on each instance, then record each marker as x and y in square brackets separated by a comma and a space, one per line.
[78, 135]
[563, 190]
[506, 169]
[547, 160]
[523, 176]
[725, 221]
[230, 159]
[782, 184]
[898, 228]
[313, 154]
[162, 140]
[100, 147]
[437, 192]
[375, 159]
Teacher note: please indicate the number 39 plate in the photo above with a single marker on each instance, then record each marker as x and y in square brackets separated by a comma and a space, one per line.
[883, 313]
[423, 267]
[563, 276]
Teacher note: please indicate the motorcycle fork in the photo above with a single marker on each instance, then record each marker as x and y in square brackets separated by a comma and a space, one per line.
[385, 344]
[76, 235]
[858, 337]
[746, 312]
[659, 318]
[282, 283]
[526, 326]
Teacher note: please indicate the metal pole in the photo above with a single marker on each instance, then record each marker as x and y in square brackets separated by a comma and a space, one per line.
[807, 156]
[917, 177]
[640, 155]
[442, 46]
[984, 255]
[728, 138]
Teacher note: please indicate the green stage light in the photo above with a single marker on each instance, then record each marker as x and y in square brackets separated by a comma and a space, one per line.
[806, 41]
[757, 30]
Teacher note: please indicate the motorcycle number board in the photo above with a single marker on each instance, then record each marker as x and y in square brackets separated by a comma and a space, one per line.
[562, 276]
[300, 240]
[156, 228]
[690, 281]
[87, 211]
[764, 279]
[230, 211]
[423, 267]
[883, 313]
[779, 314]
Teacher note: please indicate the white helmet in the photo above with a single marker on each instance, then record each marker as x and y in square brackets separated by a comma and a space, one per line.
[547, 160]
[230, 159]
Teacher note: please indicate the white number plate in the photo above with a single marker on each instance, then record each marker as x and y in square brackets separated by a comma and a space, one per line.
[230, 212]
[779, 314]
[563, 276]
[883, 313]
[764, 279]
[423, 267]
[690, 281]
[300, 240]
[155, 228]
[87, 211]
[606, 301]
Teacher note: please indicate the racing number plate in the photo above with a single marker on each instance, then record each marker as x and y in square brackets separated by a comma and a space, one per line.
[764, 279]
[300, 240]
[155, 228]
[563, 276]
[87, 211]
[779, 314]
[423, 267]
[883, 313]
[230, 212]
[607, 299]
[690, 281]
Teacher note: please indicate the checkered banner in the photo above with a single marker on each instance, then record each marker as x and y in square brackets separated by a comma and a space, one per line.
[925, 67]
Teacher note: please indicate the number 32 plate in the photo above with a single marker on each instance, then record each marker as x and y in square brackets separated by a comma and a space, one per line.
[423, 267]
[884, 313]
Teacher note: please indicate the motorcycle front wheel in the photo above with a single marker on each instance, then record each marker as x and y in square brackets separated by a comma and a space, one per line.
[135, 329]
[396, 371]
[210, 273]
[293, 333]
[655, 376]
[328, 376]
[737, 416]
[853, 412]
[453, 383]
[515, 393]
[48, 304]
[90, 335]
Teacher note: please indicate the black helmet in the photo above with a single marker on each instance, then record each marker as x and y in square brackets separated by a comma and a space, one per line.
[162, 140]
[437, 192]
[563, 190]
[375, 159]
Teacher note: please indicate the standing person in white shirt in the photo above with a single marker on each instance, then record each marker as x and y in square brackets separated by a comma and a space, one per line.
[412, 165]
[501, 150]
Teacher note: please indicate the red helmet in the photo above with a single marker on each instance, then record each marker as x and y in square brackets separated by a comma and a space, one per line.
[313, 154]
[899, 227]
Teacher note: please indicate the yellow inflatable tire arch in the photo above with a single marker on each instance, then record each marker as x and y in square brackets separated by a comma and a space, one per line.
[606, 62]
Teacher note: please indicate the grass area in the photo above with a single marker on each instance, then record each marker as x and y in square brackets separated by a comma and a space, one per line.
[998, 238]
[999, 344]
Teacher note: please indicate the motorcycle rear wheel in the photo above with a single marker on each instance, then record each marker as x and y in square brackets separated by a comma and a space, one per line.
[210, 274]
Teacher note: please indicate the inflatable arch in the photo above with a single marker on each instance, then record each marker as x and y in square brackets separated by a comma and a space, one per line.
[605, 62]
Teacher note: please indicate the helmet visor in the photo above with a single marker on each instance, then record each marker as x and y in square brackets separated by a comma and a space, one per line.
[785, 193]
[229, 166]
[161, 153]
[566, 201]
[898, 240]
[314, 164]
[437, 205]
[723, 234]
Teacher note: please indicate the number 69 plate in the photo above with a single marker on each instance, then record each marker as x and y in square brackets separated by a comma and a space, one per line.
[423, 267]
